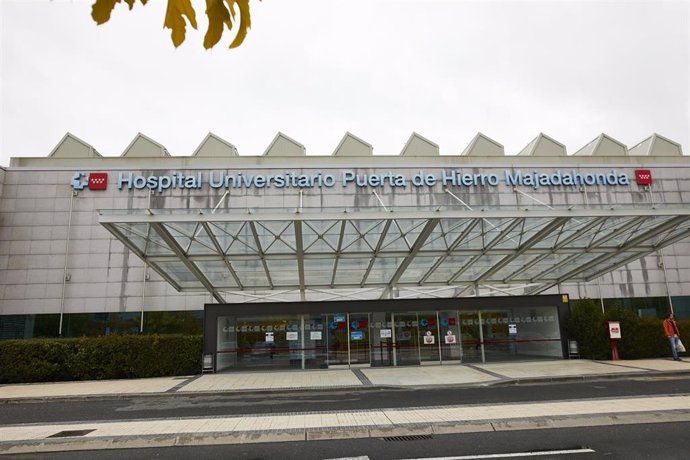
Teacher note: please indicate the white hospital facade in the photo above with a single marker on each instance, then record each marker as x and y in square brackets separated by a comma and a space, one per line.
[377, 252]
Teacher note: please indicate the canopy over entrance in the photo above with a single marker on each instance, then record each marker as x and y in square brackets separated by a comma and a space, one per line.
[445, 252]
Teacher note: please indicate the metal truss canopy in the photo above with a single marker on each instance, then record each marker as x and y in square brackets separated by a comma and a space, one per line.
[264, 251]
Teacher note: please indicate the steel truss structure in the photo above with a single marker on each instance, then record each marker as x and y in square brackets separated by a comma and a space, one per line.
[381, 254]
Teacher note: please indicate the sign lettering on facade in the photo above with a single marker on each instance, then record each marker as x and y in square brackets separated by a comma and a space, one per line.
[350, 178]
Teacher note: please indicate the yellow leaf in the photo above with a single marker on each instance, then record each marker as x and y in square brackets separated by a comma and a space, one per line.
[101, 9]
[175, 21]
[218, 16]
[245, 23]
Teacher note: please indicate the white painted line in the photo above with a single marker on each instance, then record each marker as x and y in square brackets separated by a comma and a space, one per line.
[349, 458]
[513, 455]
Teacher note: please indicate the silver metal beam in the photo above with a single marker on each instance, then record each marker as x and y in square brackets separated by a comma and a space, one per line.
[416, 246]
[540, 235]
[177, 249]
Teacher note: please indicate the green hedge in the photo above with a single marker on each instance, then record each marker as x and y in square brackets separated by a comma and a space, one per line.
[641, 337]
[93, 358]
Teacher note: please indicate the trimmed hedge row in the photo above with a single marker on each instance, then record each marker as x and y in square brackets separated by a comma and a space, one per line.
[95, 358]
[641, 337]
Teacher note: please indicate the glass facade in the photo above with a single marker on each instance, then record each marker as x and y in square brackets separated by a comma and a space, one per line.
[495, 335]
[96, 324]
[386, 338]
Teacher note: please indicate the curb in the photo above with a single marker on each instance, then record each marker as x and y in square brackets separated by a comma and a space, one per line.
[318, 434]
[367, 388]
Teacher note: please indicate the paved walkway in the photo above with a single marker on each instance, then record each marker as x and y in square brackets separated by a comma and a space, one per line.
[345, 424]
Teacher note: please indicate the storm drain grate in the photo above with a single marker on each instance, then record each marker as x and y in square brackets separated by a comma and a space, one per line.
[70, 433]
[413, 437]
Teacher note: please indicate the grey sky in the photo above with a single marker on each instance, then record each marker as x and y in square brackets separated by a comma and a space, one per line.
[314, 69]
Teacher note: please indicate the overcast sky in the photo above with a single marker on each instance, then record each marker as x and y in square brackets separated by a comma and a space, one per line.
[314, 69]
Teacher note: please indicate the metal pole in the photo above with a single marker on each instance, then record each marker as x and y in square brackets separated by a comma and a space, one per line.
[143, 288]
[601, 297]
[438, 333]
[394, 341]
[481, 335]
[64, 272]
[347, 328]
[302, 334]
[661, 256]
[668, 289]
[143, 298]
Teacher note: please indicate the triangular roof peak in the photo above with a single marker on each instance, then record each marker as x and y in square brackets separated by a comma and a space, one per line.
[214, 146]
[544, 146]
[284, 146]
[143, 146]
[603, 145]
[70, 146]
[352, 146]
[483, 146]
[657, 145]
[419, 146]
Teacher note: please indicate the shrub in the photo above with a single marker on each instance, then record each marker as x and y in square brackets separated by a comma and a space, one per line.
[586, 324]
[92, 358]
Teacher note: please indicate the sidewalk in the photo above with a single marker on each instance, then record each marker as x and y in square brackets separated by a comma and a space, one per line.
[419, 376]
[312, 425]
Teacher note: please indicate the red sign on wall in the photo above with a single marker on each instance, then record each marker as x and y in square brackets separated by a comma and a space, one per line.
[643, 176]
[98, 181]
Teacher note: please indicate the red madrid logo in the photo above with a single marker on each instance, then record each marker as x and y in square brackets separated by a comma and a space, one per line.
[98, 180]
[643, 176]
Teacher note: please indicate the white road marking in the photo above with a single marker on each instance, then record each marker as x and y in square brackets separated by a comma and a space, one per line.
[513, 455]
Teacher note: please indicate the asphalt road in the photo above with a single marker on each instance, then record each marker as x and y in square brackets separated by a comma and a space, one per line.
[175, 405]
[660, 441]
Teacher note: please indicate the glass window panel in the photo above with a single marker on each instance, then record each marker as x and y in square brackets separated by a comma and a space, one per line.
[320, 236]
[402, 233]
[436, 240]
[453, 228]
[383, 269]
[182, 228]
[319, 246]
[217, 273]
[227, 232]
[417, 269]
[448, 268]
[362, 235]
[574, 262]
[276, 237]
[318, 271]
[513, 266]
[608, 263]
[479, 266]
[179, 273]
[351, 270]
[199, 248]
[242, 245]
[250, 272]
[283, 272]
[182, 239]
[156, 246]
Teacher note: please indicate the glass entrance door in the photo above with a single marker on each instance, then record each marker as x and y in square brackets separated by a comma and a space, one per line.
[337, 339]
[498, 345]
[429, 343]
[449, 336]
[471, 337]
[406, 339]
[360, 352]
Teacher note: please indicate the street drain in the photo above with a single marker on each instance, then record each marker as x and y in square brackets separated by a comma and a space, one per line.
[414, 437]
[70, 433]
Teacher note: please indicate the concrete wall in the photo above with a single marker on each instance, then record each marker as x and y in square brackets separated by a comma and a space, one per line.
[35, 219]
